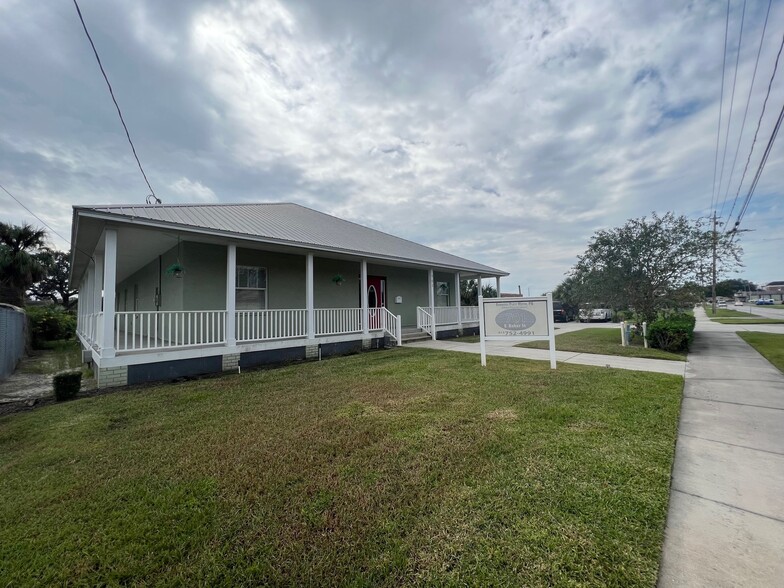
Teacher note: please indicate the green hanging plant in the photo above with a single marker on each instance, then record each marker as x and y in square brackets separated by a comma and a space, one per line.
[176, 269]
[338, 279]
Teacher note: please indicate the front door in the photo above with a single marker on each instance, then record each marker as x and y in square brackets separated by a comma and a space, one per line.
[377, 298]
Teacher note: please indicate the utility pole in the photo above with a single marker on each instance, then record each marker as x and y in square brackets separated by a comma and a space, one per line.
[713, 286]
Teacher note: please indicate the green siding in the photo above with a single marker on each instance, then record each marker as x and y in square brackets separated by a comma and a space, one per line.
[285, 276]
[204, 282]
[146, 280]
[326, 293]
[409, 283]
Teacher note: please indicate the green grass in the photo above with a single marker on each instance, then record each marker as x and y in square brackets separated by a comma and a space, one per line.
[755, 320]
[605, 342]
[412, 467]
[56, 356]
[769, 345]
[726, 312]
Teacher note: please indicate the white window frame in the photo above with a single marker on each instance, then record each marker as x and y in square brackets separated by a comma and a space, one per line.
[265, 289]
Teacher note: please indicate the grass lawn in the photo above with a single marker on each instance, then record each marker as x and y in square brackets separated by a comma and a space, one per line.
[727, 312]
[755, 320]
[56, 356]
[412, 467]
[770, 345]
[602, 341]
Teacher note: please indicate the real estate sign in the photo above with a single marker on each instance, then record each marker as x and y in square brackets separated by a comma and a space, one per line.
[523, 318]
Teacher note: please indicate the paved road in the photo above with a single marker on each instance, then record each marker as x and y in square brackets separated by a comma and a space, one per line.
[725, 525]
[766, 311]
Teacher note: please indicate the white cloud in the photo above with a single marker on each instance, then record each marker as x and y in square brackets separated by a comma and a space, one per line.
[192, 191]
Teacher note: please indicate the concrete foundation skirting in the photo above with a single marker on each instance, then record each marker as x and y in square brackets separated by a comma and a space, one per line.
[231, 361]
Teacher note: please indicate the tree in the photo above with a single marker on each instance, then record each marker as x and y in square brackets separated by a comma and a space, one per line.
[54, 285]
[651, 264]
[19, 264]
[468, 295]
[727, 288]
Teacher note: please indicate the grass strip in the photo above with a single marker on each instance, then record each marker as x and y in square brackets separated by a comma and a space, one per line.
[769, 345]
[605, 342]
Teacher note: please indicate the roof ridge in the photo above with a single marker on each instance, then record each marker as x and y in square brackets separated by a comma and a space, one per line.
[184, 205]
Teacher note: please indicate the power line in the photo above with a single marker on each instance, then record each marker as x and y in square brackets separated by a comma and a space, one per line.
[721, 103]
[116, 105]
[745, 113]
[42, 221]
[756, 132]
[732, 102]
[757, 175]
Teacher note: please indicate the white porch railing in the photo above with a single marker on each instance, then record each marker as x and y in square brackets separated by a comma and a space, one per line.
[90, 328]
[380, 319]
[425, 321]
[469, 314]
[446, 315]
[264, 325]
[338, 321]
[169, 328]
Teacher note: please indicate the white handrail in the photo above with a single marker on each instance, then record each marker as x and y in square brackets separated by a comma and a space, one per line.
[425, 320]
[145, 330]
[263, 325]
[382, 319]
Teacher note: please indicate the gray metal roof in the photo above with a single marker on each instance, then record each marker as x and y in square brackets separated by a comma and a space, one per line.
[291, 224]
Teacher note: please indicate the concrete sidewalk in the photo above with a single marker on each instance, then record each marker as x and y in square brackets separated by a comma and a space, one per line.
[725, 525]
[507, 349]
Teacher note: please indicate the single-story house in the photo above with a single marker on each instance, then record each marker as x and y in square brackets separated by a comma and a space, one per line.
[167, 291]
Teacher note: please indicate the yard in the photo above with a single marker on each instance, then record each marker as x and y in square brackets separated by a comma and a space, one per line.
[754, 320]
[769, 345]
[408, 467]
[603, 341]
[727, 312]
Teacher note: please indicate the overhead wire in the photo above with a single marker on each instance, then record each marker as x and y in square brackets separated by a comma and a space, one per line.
[732, 102]
[756, 133]
[42, 221]
[721, 104]
[116, 105]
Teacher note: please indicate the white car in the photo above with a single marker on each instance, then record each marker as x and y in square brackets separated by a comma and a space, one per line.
[739, 303]
[595, 314]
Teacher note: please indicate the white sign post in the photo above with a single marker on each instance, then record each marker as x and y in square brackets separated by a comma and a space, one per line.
[523, 319]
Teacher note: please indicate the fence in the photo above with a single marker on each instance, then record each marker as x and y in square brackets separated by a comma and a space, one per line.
[13, 323]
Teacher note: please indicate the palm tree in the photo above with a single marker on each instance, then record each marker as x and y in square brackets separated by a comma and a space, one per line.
[19, 268]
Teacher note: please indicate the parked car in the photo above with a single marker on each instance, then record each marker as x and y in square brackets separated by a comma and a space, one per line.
[764, 301]
[739, 303]
[562, 312]
[589, 314]
[721, 304]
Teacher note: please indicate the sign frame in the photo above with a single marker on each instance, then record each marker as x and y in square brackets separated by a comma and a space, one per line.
[547, 299]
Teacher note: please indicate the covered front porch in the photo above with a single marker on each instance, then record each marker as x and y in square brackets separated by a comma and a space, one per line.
[132, 310]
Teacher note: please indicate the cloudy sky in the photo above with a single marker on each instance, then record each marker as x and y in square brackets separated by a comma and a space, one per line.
[506, 132]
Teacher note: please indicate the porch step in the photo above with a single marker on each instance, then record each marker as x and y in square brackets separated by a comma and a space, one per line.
[412, 336]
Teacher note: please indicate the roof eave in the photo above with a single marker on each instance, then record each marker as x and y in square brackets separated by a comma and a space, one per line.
[486, 271]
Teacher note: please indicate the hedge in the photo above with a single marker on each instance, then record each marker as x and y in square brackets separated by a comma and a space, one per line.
[50, 323]
[67, 384]
[672, 333]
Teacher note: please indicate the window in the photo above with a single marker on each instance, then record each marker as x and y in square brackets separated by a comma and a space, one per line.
[251, 290]
[442, 294]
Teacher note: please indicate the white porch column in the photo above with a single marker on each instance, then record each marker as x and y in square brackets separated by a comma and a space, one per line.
[310, 314]
[98, 285]
[498, 285]
[231, 295]
[432, 300]
[110, 284]
[88, 290]
[364, 300]
[478, 288]
[457, 301]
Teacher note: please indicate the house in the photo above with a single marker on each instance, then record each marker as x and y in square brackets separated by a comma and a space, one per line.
[168, 291]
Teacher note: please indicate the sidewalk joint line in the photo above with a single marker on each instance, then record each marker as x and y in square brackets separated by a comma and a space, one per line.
[780, 454]
[735, 403]
[728, 505]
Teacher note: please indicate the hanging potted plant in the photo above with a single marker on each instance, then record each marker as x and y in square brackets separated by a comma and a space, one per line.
[176, 269]
[338, 279]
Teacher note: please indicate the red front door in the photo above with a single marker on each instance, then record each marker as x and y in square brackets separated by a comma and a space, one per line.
[377, 298]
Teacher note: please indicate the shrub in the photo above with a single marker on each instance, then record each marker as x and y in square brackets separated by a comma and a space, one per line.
[50, 323]
[67, 384]
[672, 333]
